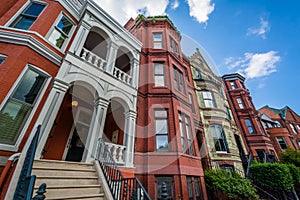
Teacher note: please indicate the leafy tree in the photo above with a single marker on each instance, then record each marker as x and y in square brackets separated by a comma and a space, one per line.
[232, 184]
[290, 156]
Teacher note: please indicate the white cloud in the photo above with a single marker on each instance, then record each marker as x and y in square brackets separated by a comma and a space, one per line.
[262, 30]
[254, 65]
[175, 4]
[200, 9]
[122, 11]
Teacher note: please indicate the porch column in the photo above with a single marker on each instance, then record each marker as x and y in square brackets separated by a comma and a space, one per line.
[130, 125]
[135, 72]
[111, 57]
[96, 129]
[81, 36]
[49, 112]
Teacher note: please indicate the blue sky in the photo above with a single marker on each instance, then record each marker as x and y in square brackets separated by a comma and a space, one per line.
[258, 38]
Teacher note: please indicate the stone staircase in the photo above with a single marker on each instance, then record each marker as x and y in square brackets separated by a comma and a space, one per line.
[67, 180]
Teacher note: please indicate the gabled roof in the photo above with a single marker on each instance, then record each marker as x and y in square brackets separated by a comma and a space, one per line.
[281, 112]
[265, 117]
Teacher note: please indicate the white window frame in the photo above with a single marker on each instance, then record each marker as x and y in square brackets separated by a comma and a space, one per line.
[281, 137]
[157, 41]
[293, 128]
[20, 11]
[159, 75]
[212, 99]
[27, 122]
[233, 85]
[240, 103]
[249, 126]
[66, 42]
[2, 57]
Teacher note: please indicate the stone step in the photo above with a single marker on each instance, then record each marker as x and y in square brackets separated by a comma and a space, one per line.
[72, 191]
[58, 164]
[85, 197]
[62, 172]
[66, 180]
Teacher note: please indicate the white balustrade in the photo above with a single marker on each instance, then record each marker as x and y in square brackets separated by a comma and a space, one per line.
[122, 76]
[93, 59]
[117, 152]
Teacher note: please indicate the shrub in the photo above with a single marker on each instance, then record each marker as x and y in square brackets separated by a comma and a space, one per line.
[272, 175]
[232, 184]
[295, 172]
[290, 156]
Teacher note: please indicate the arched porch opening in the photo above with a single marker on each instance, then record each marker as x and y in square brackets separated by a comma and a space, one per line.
[97, 42]
[123, 60]
[68, 136]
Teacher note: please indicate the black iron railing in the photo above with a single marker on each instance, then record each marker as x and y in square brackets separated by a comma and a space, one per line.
[120, 187]
[25, 185]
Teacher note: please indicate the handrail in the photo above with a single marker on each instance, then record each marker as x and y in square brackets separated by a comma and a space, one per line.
[120, 187]
[25, 185]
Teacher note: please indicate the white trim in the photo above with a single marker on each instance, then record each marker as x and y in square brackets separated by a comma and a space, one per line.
[2, 57]
[33, 110]
[31, 42]
[67, 40]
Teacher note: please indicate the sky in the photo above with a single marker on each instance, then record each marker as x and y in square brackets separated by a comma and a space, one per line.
[258, 38]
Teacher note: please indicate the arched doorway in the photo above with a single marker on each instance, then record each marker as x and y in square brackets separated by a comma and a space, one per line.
[69, 133]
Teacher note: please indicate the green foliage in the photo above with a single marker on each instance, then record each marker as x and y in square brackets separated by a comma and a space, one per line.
[232, 184]
[295, 172]
[290, 156]
[272, 175]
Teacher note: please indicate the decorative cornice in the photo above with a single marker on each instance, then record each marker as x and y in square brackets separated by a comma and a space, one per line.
[31, 42]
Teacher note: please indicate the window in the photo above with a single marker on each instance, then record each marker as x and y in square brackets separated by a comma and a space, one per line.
[169, 181]
[249, 126]
[61, 32]
[192, 102]
[229, 168]
[157, 41]
[2, 58]
[173, 46]
[198, 74]
[186, 134]
[261, 155]
[233, 86]
[249, 103]
[240, 103]
[293, 143]
[219, 138]
[19, 105]
[293, 128]
[178, 80]
[228, 113]
[186, 73]
[193, 187]
[282, 143]
[209, 100]
[28, 16]
[260, 127]
[161, 130]
[159, 79]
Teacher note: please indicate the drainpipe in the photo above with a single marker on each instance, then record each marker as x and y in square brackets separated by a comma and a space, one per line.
[10, 163]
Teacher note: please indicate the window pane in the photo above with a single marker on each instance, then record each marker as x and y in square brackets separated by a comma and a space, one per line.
[29, 87]
[24, 23]
[34, 9]
[161, 126]
[162, 142]
[57, 38]
[11, 119]
[169, 185]
[158, 68]
[161, 113]
[159, 81]
[65, 25]
[157, 37]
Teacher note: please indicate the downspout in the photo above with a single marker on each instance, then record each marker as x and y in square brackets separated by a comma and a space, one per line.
[10, 163]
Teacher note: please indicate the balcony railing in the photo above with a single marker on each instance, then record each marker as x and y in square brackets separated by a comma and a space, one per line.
[122, 76]
[93, 59]
[117, 151]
